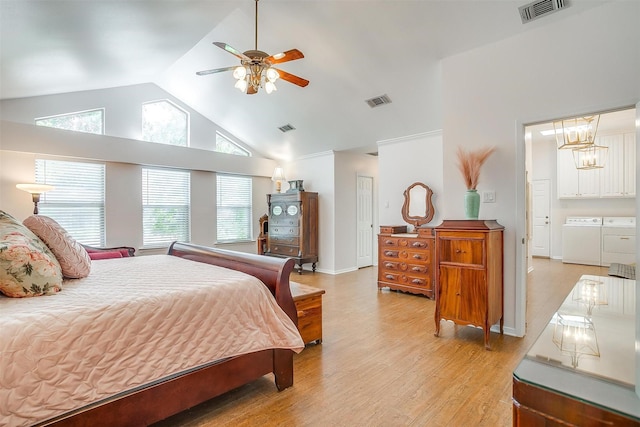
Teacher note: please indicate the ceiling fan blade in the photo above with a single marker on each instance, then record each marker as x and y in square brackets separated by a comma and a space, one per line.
[232, 51]
[292, 78]
[289, 55]
[215, 70]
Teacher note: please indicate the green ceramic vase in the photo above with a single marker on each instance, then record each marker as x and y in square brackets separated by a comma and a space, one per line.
[471, 204]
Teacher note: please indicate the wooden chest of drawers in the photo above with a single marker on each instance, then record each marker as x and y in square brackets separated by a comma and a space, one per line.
[293, 227]
[406, 262]
[308, 301]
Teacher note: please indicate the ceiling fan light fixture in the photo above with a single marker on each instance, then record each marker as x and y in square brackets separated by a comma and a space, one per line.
[239, 73]
[270, 87]
[272, 75]
[241, 85]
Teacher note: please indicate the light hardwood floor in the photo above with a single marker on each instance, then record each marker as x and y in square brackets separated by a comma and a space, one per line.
[380, 364]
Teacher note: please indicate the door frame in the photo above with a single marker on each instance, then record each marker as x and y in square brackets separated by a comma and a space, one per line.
[521, 208]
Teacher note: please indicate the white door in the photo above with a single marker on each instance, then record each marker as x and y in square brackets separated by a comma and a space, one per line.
[541, 233]
[364, 210]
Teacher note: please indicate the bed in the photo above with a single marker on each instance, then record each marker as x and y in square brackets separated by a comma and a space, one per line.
[140, 372]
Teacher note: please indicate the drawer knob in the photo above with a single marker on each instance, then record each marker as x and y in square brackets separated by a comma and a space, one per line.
[418, 245]
[417, 282]
[417, 256]
[389, 265]
[417, 269]
[459, 251]
[390, 253]
[388, 242]
[389, 277]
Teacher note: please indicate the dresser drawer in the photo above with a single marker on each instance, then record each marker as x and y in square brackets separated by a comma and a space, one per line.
[292, 240]
[284, 250]
[285, 222]
[400, 278]
[468, 251]
[283, 230]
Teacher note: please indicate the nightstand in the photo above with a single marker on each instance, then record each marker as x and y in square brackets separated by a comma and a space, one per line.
[308, 302]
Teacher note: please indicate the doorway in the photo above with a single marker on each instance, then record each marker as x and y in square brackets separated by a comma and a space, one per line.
[539, 155]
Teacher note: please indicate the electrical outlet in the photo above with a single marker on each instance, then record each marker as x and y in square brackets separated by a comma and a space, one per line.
[488, 197]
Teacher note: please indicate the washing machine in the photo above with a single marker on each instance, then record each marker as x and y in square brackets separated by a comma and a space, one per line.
[618, 240]
[581, 240]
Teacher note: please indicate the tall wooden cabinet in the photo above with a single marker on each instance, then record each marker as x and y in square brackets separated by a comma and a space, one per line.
[469, 276]
[293, 227]
[406, 260]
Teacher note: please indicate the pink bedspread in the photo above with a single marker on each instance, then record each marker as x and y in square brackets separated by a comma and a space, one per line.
[132, 321]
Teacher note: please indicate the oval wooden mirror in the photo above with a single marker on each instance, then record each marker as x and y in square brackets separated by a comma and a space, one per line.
[418, 208]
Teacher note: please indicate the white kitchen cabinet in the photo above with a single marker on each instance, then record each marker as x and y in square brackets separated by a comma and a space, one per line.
[573, 183]
[617, 178]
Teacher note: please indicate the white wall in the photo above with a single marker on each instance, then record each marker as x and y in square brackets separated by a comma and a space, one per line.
[403, 161]
[348, 166]
[123, 112]
[318, 175]
[490, 92]
[21, 142]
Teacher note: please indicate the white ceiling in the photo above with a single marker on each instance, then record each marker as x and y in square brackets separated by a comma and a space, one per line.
[354, 50]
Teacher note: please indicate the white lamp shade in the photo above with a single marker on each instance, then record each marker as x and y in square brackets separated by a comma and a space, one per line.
[35, 188]
[278, 174]
[239, 73]
[270, 87]
[272, 75]
[241, 85]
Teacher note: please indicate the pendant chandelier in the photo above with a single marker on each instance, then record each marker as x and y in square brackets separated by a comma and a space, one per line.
[578, 132]
[591, 157]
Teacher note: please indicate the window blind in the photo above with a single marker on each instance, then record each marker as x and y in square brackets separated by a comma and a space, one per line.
[165, 206]
[77, 202]
[234, 208]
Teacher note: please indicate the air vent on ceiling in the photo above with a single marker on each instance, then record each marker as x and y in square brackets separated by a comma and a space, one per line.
[378, 101]
[537, 9]
[286, 128]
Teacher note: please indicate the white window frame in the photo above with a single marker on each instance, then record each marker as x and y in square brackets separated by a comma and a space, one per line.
[160, 195]
[177, 107]
[76, 113]
[238, 146]
[77, 205]
[227, 192]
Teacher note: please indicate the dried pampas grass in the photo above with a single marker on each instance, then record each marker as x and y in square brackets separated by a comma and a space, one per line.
[470, 163]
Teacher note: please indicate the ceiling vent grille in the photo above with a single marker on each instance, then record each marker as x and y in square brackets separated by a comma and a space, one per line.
[537, 9]
[286, 128]
[378, 101]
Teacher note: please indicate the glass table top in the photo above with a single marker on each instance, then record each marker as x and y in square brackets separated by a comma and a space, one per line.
[593, 331]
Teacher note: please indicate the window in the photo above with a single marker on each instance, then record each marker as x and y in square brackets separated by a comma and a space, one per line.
[234, 208]
[165, 207]
[91, 121]
[77, 202]
[225, 145]
[166, 123]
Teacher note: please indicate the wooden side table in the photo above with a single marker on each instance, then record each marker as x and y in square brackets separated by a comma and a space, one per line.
[308, 301]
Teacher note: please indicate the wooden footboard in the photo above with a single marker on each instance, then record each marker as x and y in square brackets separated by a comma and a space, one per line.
[169, 396]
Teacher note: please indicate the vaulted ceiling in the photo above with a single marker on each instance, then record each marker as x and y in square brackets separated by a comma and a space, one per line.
[354, 50]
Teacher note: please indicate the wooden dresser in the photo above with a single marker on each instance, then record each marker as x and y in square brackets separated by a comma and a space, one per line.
[406, 261]
[293, 227]
[469, 277]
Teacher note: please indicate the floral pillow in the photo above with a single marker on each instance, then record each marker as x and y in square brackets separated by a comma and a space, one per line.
[27, 266]
[72, 256]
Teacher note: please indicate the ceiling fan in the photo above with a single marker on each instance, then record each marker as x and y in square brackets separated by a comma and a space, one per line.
[256, 69]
